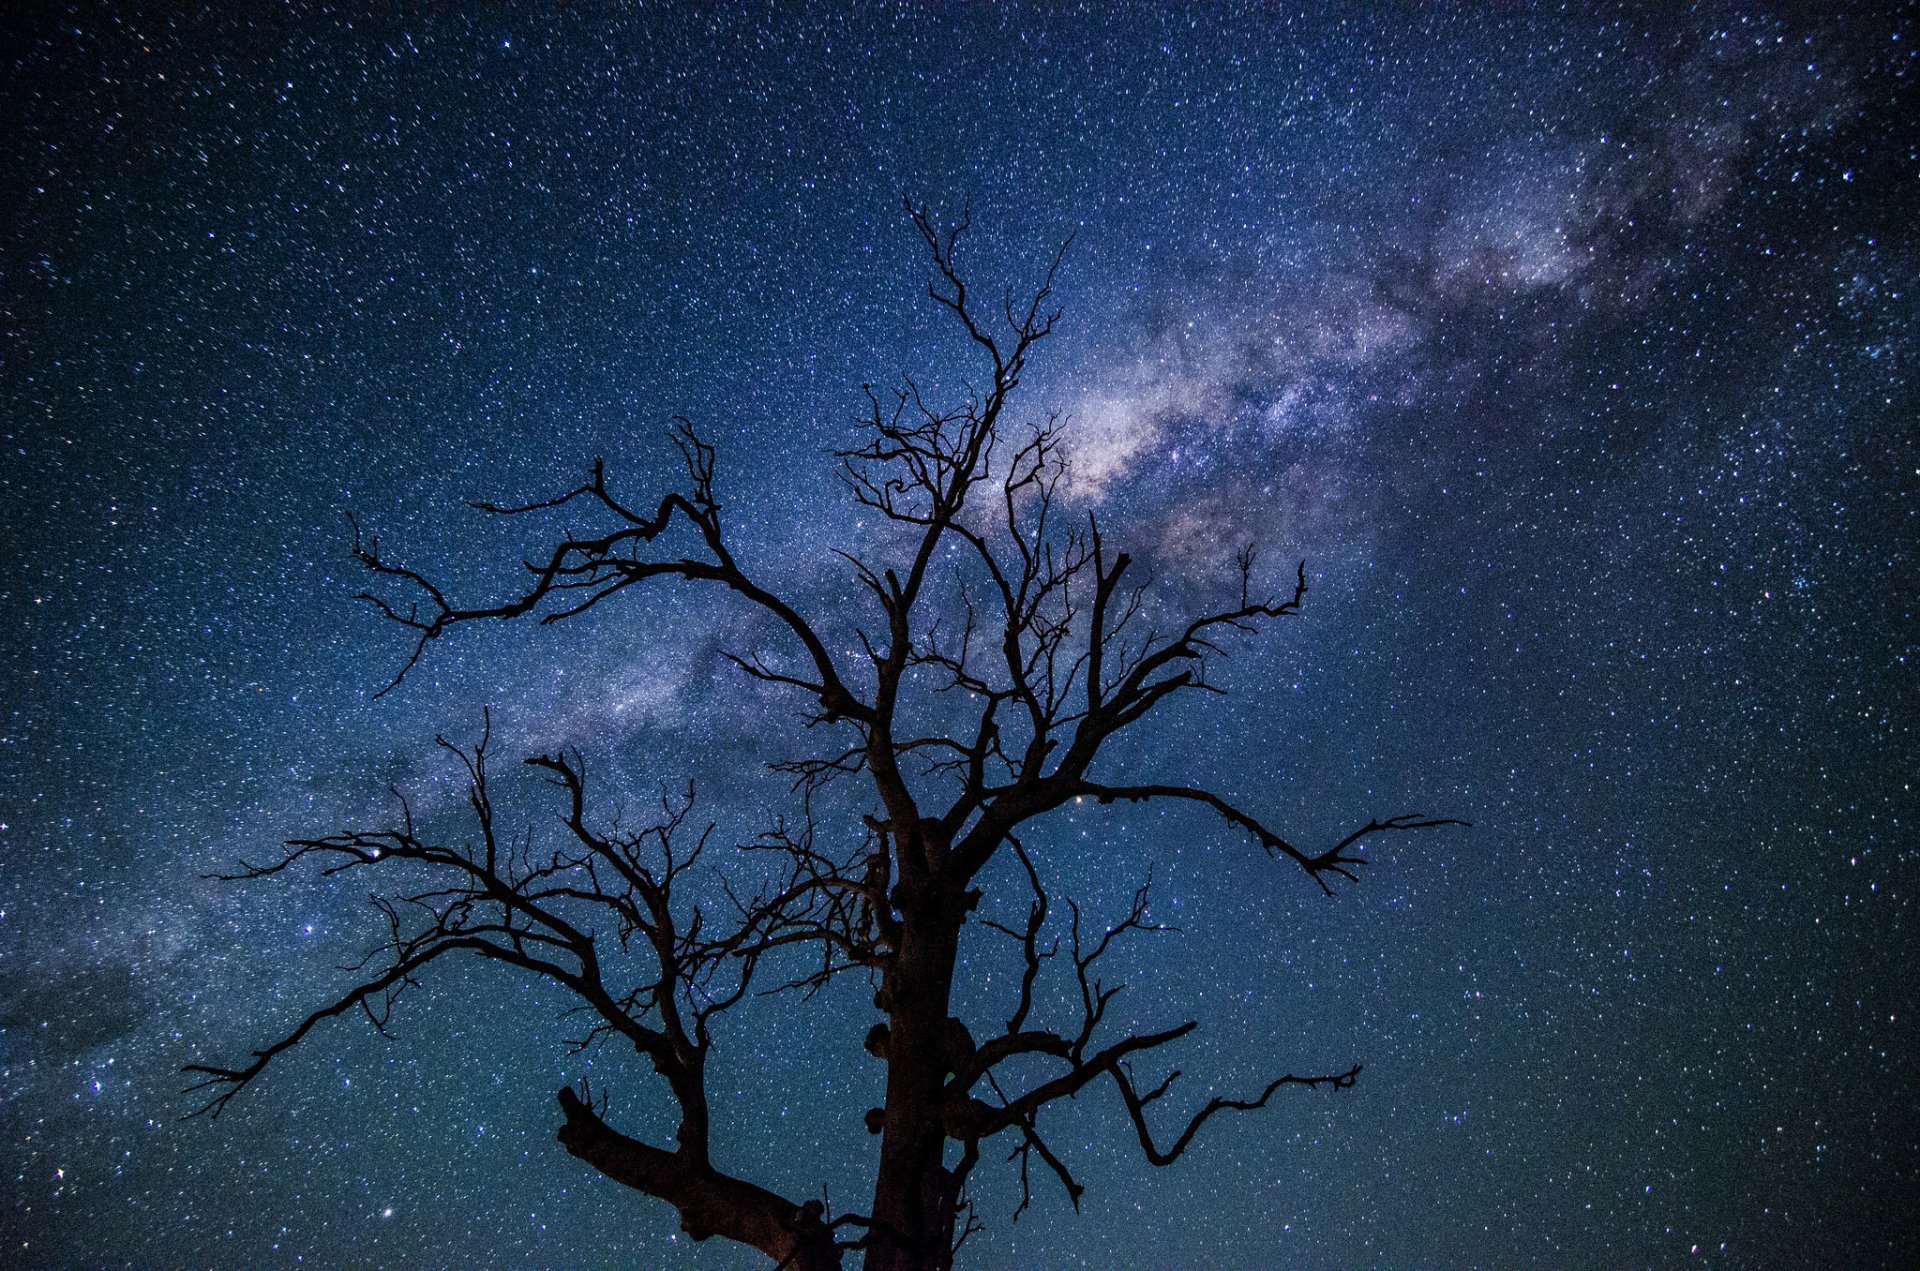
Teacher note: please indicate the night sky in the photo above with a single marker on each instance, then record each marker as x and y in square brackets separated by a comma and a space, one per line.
[1574, 353]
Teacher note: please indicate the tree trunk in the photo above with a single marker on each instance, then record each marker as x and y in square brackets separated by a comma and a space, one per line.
[915, 1195]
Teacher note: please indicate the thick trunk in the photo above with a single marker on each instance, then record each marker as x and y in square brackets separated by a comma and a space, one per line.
[915, 1195]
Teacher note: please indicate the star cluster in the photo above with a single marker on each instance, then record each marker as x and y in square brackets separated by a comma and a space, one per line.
[1572, 351]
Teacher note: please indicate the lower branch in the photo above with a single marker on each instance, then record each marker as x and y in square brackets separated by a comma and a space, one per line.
[710, 1203]
[1137, 1105]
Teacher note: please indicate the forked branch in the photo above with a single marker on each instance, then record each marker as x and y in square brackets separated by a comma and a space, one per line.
[1336, 860]
[1137, 1105]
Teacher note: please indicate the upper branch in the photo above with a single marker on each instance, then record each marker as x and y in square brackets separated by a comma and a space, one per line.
[1135, 689]
[1123, 683]
[1027, 328]
[579, 572]
[1334, 860]
[918, 466]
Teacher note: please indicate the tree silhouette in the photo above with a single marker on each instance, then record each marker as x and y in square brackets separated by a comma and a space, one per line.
[1035, 654]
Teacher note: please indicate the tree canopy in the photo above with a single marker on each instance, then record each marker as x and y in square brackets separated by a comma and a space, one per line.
[1001, 646]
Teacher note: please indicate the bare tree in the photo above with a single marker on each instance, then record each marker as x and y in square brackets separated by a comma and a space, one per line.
[1039, 650]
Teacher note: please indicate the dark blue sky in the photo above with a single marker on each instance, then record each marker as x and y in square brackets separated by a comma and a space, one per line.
[1574, 352]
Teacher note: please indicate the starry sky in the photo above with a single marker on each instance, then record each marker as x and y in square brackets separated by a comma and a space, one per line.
[1573, 351]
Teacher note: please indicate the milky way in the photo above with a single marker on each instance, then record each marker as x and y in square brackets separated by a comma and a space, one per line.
[1572, 354]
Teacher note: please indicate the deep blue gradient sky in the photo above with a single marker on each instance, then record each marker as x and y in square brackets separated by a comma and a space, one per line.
[1574, 352]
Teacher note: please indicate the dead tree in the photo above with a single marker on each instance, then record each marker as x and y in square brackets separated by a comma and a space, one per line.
[1044, 647]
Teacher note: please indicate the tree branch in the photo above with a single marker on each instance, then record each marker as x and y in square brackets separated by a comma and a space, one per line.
[1335, 860]
[600, 566]
[710, 1203]
[1137, 1103]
